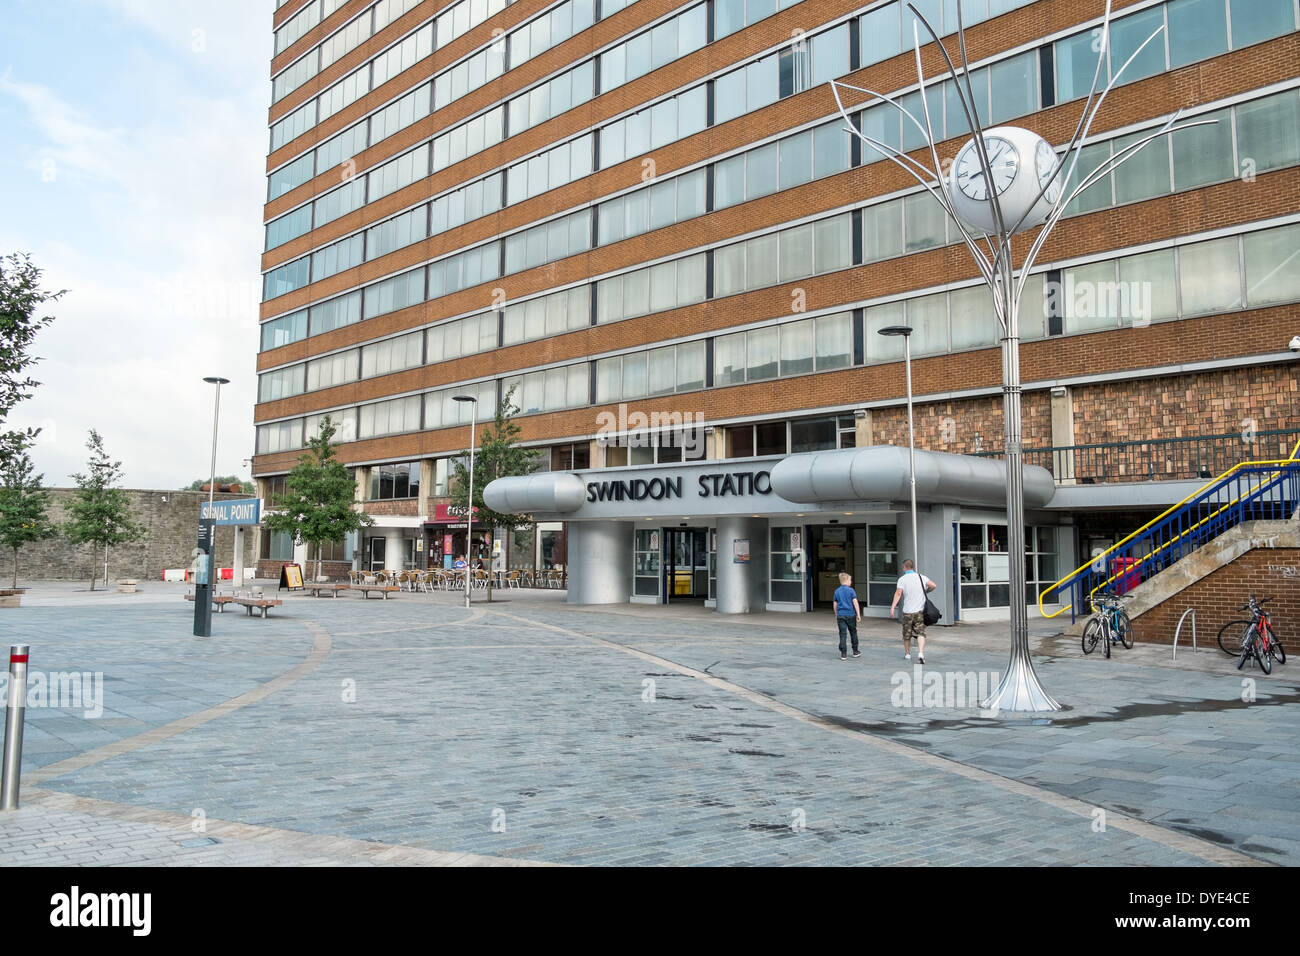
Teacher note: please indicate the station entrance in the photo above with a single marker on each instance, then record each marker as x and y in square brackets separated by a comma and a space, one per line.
[686, 564]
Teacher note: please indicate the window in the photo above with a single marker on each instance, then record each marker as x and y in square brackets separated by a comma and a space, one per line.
[1268, 131]
[392, 234]
[834, 341]
[1273, 266]
[645, 560]
[400, 480]
[1145, 173]
[331, 370]
[290, 176]
[337, 257]
[550, 389]
[392, 355]
[1203, 154]
[441, 410]
[1198, 30]
[786, 583]
[284, 330]
[1127, 34]
[972, 318]
[344, 422]
[547, 315]
[389, 418]
[287, 278]
[1149, 282]
[1209, 276]
[1256, 20]
[1090, 300]
[336, 313]
[289, 226]
[341, 201]
[882, 564]
[399, 292]
[882, 231]
[280, 384]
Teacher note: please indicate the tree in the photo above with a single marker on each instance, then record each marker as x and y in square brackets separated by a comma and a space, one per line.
[100, 513]
[23, 505]
[498, 456]
[21, 297]
[201, 484]
[317, 506]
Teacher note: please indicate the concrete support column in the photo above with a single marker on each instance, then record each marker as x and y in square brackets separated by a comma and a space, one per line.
[1063, 433]
[741, 588]
[862, 429]
[596, 454]
[715, 444]
[237, 578]
[427, 478]
[600, 562]
[934, 555]
[393, 549]
[362, 476]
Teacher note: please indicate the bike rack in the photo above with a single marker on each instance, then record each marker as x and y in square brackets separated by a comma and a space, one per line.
[1177, 630]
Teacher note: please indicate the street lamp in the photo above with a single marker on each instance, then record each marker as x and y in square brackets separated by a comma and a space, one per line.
[469, 499]
[216, 412]
[906, 332]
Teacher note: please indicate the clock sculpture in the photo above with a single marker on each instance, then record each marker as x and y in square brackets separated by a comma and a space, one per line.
[1003, 181]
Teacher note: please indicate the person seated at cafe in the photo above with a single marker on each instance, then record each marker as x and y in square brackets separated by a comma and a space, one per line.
[460, 564]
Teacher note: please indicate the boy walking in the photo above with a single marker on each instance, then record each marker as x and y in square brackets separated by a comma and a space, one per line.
[848, 614]
[911, 590]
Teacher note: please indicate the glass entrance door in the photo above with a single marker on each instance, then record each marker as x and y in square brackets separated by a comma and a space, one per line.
[687, 563]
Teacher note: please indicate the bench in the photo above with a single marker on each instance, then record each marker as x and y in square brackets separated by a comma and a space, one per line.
[219, 601]
[262, 604]
[383, 589]
[331, 589]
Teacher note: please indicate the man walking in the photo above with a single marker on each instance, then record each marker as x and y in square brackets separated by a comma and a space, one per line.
[848, 614]
[911, 590]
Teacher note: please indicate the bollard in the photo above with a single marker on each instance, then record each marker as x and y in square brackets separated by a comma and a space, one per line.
[14, 713]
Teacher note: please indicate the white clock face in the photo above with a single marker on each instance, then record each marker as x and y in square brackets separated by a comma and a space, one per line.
[1004, 162]
[1045, 166]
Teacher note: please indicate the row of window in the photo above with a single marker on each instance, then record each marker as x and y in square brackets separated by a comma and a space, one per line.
[1251, 270]
[451, 84]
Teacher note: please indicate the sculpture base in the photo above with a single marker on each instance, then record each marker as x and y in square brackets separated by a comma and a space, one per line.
[1020, 691]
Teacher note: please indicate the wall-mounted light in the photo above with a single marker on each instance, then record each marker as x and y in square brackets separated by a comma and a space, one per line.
[1058, 391]
[859, 413]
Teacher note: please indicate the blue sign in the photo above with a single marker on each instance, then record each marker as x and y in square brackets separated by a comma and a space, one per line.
[238, 511]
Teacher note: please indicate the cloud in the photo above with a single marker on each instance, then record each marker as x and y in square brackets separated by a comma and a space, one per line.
[154, 227]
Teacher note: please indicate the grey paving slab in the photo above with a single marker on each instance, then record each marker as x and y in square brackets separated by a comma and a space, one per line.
[572, 735]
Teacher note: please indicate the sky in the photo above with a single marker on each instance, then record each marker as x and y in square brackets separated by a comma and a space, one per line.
[133, 171]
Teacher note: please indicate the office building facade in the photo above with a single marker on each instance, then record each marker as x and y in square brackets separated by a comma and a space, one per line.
[648, 221]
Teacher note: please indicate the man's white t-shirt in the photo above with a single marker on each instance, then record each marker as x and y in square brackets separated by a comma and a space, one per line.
[913, 586]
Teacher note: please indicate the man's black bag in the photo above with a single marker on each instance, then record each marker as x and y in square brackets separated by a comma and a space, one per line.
[931, 614]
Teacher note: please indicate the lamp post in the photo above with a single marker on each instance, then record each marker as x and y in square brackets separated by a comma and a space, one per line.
[469, 499]
[216, 413]
[203, 586]
[906, 332]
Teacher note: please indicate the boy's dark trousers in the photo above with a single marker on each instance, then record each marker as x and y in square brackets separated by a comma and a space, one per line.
[848, 626]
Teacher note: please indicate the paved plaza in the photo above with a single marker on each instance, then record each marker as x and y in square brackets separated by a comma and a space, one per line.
[414, 731]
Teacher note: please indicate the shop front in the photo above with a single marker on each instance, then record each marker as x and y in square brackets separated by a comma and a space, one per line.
[772, 533]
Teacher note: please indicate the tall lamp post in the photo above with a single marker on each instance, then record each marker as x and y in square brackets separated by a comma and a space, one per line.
[216, 414]
[207, 531]
[469, 499]
[906, 332]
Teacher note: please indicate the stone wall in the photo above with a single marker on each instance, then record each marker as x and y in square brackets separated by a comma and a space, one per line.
[171, 521]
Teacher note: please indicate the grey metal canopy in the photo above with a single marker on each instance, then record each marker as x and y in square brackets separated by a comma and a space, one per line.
[880, 473]
[551, 492]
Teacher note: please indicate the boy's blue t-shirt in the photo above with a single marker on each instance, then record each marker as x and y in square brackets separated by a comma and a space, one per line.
[844, 598]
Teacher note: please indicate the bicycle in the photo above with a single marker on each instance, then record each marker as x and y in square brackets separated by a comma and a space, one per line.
[1109, 624]
[1259, 640]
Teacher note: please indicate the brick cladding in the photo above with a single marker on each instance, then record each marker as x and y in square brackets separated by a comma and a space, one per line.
[1101, 352]
[1218, 596]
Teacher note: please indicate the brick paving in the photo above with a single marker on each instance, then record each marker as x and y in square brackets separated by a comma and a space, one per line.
[413, 731]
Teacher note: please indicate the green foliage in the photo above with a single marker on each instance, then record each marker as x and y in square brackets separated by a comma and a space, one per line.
[21, 297]
[199, 484]
[100, 512]
[318, 504]
[24, 505]
[498, 456]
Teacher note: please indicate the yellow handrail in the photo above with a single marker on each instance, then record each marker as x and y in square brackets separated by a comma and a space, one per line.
[1295, 453]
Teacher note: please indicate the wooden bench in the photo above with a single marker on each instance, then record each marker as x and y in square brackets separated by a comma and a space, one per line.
[219, 601]
[263, 604]
[383, 589]
[331, 589]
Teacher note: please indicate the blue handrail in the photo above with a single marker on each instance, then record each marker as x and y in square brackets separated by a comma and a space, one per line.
[1251, 492]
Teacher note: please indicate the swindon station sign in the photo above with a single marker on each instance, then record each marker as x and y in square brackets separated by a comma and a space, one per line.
[237, 511]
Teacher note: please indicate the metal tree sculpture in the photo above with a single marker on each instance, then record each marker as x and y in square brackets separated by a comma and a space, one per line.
[1019, 689]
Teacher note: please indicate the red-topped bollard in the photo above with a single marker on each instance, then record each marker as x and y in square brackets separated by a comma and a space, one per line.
[14, 712]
